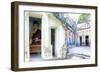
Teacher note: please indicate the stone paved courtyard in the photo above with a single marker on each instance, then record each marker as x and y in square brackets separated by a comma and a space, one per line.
[74, 53]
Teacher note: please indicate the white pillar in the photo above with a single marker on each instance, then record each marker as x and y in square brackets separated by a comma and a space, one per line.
[27, 49]
[46, 51]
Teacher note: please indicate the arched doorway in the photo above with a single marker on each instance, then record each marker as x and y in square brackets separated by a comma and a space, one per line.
[35, 37]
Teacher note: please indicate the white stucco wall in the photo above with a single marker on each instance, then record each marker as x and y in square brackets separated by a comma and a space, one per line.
[26, 49]
[60, 34]
[49, 21]
[45, 50]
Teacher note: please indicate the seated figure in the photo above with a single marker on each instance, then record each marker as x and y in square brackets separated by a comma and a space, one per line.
[36, 37]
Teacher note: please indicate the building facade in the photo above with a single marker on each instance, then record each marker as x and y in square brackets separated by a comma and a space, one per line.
[83, 34]
[52, 41]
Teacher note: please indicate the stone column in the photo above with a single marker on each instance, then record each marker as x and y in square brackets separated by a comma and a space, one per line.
[46, 51]
[26, 29]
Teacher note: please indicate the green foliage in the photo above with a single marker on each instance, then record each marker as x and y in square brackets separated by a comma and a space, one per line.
[84, 18]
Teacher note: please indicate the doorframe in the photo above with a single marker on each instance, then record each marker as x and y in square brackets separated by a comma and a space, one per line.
[53, 46]
[54, 27]
[27, 48]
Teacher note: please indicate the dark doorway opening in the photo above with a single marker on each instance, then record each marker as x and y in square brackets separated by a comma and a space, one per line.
[35, 37]
[80, 40]
[87, 40]
[53, 41]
